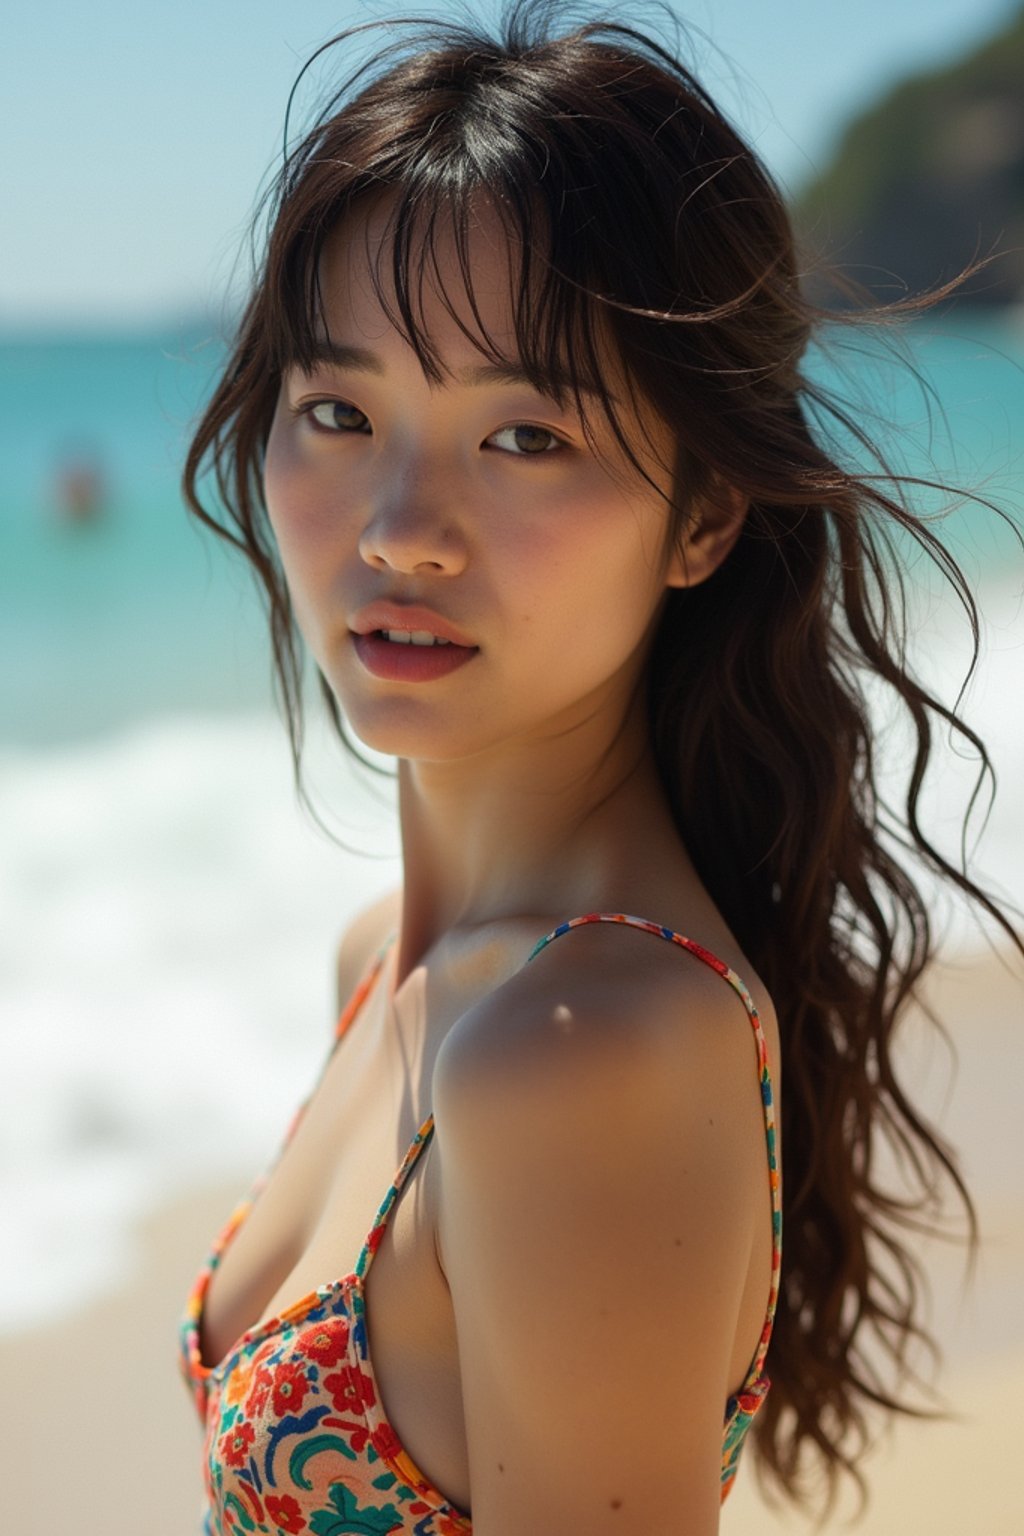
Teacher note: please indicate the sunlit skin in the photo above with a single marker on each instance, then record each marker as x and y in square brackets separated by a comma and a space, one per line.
[527, 793]
[526, 783]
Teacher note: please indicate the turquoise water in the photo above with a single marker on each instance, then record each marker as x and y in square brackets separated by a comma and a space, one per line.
[135, 612]
[138, 612]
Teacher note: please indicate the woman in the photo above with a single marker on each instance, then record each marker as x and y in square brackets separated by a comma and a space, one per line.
[515, 433]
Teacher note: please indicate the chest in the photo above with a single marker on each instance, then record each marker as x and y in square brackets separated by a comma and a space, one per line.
[308, 1226]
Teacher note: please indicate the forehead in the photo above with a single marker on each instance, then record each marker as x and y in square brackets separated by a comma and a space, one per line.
[455, 283]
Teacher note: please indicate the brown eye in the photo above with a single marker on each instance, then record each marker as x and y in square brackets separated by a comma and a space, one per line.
[524, 439]
[339, 416]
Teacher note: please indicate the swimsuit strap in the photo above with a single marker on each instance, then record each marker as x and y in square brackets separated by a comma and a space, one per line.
[426, 1130]
[380, 1221]
[363, 987]
[767, 1100]
[420, 1140]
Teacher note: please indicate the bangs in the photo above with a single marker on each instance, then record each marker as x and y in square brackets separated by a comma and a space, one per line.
[557, 334]
[438, 144]
[631, 215]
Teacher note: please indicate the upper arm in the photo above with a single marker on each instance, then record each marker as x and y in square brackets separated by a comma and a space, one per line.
[365, 934]
[595, 1225]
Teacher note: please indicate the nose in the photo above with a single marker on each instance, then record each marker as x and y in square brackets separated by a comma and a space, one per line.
[412, 529]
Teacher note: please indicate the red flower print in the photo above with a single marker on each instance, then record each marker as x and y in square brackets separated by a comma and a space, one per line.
[234, 1446]
[257, 1399]
[326, 1343]
[350, 1388]
[384, 1441]
[286, 1513]
[251, 1497]
[289, 1388]
[356, 1434]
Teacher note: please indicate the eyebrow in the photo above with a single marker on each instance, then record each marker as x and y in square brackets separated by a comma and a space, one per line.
[362, 360]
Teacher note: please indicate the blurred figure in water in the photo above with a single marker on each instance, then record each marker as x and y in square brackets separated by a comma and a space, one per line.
[79, 486]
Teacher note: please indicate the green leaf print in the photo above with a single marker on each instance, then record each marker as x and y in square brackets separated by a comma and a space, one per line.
[350, 1520]
[386, 1480]
[312, 1447]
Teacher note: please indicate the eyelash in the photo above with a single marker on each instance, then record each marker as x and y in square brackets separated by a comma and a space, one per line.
[310, 408]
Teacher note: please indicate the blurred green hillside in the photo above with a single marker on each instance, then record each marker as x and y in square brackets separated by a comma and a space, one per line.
[930, 178]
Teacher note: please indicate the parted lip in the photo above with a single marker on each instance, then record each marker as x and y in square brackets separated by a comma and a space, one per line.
[403, 616]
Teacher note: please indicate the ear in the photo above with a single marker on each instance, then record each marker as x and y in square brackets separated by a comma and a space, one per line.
[715, 525]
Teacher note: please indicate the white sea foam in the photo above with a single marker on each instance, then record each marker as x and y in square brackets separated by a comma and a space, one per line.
[167, 920]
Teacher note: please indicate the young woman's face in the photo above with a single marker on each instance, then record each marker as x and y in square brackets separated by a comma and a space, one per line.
[473, 510]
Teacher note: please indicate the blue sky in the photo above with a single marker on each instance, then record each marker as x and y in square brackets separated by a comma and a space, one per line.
[135, 135]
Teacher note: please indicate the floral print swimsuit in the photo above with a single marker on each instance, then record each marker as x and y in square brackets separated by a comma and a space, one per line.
[296, 1436]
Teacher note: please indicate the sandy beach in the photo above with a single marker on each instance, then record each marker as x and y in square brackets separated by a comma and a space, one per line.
[99, 1436]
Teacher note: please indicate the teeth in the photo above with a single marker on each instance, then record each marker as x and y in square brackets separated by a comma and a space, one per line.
[413, 637]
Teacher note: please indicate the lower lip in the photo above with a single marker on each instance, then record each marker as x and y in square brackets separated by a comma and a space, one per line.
[400, 663]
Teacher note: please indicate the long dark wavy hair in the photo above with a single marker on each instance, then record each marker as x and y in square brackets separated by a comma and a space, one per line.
[637, 215]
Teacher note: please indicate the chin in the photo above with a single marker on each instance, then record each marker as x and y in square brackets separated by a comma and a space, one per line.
[408, 729]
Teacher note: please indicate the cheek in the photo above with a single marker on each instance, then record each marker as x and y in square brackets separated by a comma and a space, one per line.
[298, 505]
[586, 593]
[306, 536]
[285, 490]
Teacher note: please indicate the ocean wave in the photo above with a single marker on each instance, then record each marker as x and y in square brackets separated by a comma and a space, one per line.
[167, 923]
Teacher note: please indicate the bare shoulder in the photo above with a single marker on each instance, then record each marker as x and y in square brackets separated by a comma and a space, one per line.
[604, 1009]
[362, 938]
[602, 1176]
[609, 1032]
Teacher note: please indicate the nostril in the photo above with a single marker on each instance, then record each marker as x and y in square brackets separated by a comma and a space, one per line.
[410, 534]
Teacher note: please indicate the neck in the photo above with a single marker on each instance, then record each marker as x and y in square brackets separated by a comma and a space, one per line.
[542, 831]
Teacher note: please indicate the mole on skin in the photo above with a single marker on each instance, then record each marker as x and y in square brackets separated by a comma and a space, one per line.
[616, 1503]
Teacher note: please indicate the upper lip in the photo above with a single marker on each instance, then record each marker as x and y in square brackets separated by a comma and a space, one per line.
[403, 616]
